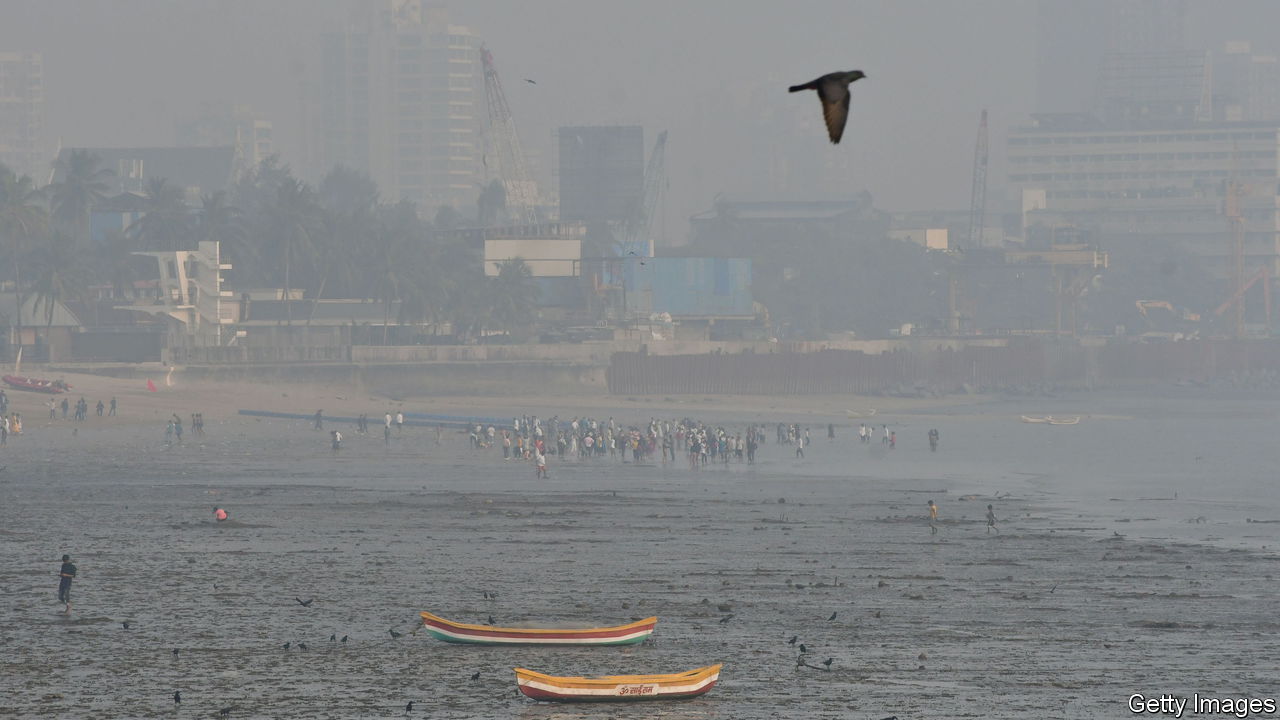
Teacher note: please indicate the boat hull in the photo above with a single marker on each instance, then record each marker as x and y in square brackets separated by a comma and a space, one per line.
[453, 632]
[35, 385]
[617, 688]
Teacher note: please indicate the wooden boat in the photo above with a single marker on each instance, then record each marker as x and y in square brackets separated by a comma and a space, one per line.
[52, 387]
[855, 414]
[454, 632]
[617, 688]
[1027, 419]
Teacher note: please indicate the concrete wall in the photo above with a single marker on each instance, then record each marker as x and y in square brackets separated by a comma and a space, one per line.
[403, 381]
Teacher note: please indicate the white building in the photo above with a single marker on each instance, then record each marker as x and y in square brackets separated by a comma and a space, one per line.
[191, 293]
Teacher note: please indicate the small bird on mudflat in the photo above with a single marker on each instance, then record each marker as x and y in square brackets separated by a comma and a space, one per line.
[333, 637]
[726, 618]
[491, 621]
[475, 675]
[344, 639]
[833, 617]
[175, 652]
[394, 634]
[833, 91]
[125, 624]
[828, 662]
[224, 712]
[302, 646]
[408, 708]
[793, 639]
[177, 697]
[803, 649]
[305, 603]
[288, 645]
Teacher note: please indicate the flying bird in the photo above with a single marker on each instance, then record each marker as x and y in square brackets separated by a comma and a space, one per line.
[833, 91]
[305, 603]
[530, 81]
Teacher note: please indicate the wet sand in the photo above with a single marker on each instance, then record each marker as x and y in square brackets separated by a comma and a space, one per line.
[1065, 613]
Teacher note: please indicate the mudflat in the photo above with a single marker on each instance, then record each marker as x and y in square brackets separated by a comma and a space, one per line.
[1079, 602]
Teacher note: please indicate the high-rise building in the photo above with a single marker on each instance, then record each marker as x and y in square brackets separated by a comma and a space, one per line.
[22, 114]
[238, 126]
[1091, 52]
[1246, 85]
[601, 173]
[402, 96]
[1155, 190]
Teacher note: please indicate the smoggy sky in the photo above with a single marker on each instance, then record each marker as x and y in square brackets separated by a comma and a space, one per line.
[713, 72]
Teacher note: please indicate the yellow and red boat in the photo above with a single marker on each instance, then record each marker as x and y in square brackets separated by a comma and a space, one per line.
[617, 688]
[455, 632]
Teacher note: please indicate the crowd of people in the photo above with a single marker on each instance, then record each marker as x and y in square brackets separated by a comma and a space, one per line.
[581, 439]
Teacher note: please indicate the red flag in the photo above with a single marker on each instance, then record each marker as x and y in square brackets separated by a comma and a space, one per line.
[151, 387]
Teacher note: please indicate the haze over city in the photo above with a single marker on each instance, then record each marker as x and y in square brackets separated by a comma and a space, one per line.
[837, 358]
[697, 69]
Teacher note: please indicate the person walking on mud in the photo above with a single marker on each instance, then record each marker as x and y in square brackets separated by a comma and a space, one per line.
[65, 575]
[933, 440]
[991, 520]
[319, 419]
[933, 518]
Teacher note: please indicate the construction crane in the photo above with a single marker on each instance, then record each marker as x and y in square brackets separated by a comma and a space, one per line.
[638, 229]
[1235, 218]
[978, 200]
[977, 218]
[504, 146]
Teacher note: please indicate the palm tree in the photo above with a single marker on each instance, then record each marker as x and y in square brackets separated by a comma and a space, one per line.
[350, 201]
[491, 205]
[115, 263]
[81, 187]
[294, 221]
[166, 220]
[59, 274]
[513, 296]
[22, 219]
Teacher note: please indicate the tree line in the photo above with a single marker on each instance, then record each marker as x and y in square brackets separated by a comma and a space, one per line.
[337, 239]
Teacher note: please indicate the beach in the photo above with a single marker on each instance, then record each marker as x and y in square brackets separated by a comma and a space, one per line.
[1135, 554]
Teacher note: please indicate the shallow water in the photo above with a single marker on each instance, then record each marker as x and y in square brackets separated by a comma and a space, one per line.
[1100, 584]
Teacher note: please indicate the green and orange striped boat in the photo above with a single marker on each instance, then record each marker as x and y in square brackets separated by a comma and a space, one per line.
[617, 688]
[454, 632]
